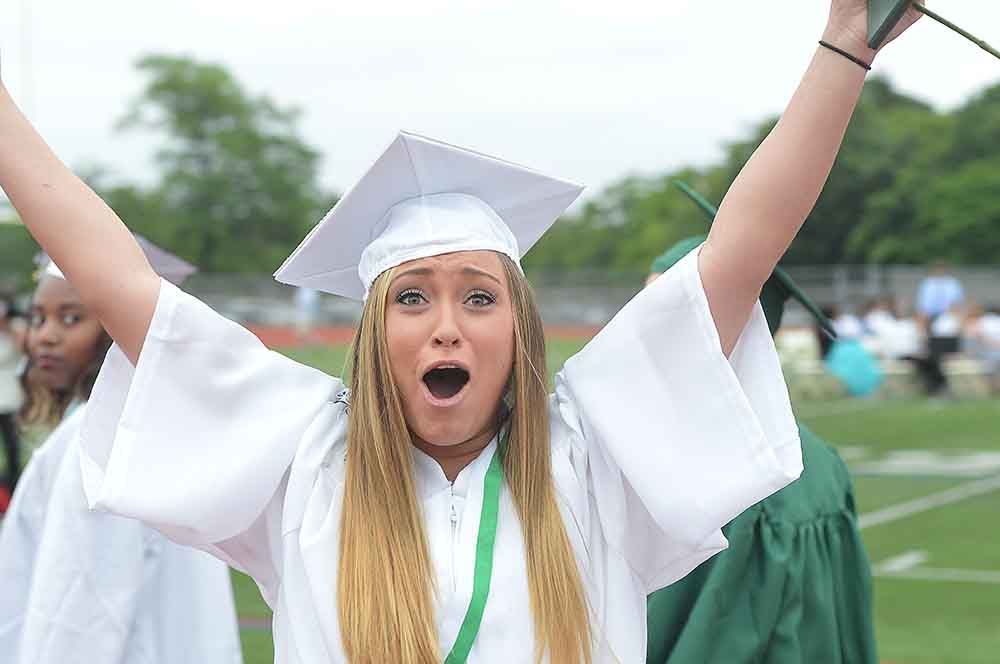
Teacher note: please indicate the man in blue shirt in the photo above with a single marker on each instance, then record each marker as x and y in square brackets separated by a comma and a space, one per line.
[938, 292]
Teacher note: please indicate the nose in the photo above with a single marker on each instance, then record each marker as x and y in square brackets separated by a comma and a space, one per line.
[447, 333]
[49, 333]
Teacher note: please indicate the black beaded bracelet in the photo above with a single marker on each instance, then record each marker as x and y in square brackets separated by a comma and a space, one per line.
[856, 60]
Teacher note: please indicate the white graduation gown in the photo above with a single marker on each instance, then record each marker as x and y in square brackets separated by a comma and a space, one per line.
[22, 528]
[657, 441]
[102, 589]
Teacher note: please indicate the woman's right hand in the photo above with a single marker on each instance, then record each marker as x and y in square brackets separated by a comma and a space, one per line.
[847, 27]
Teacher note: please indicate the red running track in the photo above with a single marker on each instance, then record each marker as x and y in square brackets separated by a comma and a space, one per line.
[288, 337]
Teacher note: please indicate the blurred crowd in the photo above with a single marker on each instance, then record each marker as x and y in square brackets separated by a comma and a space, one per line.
[940, 327]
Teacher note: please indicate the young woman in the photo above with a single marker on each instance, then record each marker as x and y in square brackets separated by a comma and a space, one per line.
[84, 586]
[66, 346]
[446, 508]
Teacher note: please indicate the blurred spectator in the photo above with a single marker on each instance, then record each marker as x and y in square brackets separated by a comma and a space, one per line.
[889, 336]
[939, 291]
[939, 296]
[846, 356]
[306, 312]
[10, 391]
[944, 332]
[893, 337]
[847, 325]
[981, 341]
[878, 315]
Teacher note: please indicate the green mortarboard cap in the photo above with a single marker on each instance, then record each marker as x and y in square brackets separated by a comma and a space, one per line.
[883, 15]
[776, 290]
[671, 256]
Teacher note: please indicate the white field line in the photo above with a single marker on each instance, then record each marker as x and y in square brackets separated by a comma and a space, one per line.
[901, 563]
[933, 501]
[838, 409]
[945, 575]
[853, 453]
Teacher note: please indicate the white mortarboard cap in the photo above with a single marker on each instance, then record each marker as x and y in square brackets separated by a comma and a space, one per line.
[172, 268]
[51, 269]
[424, 198]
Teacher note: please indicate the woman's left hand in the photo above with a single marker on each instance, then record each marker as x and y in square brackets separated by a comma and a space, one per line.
[847, 27]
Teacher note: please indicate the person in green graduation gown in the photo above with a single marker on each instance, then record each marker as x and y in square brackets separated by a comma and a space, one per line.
[795, 583]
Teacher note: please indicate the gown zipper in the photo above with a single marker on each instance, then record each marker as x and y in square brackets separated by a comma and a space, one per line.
[454, 540]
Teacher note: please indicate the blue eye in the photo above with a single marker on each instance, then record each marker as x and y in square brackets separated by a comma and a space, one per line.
[411, 297]
[36, 320]
[480, 298]
[69, 320]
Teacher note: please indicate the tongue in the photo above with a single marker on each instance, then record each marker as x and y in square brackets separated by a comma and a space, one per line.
[446, 383]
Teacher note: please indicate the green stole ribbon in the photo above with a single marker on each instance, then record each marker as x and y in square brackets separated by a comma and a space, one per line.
[484, 561]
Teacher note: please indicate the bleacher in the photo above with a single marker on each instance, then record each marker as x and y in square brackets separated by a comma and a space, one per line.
[809, 380]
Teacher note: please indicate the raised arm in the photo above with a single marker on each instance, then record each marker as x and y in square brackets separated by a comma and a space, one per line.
[778, 187]
[78, 230]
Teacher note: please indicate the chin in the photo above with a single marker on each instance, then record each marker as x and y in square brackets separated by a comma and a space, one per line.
[50, 381]
[445, 433]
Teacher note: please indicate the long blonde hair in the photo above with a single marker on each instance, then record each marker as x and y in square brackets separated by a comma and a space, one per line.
[385, 581]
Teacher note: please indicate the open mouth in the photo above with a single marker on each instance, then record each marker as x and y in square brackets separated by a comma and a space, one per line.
[445, 382]
[48, 362]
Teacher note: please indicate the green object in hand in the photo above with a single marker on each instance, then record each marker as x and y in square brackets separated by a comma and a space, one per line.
[883, 15]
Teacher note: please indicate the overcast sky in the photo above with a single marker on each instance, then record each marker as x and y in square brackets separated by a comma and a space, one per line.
[588, 90]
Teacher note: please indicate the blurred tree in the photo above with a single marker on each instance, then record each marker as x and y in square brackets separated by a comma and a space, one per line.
[237, 186]
[910, 184]
[977, 128]
[622, 230]
[957, 216]
[17, 249]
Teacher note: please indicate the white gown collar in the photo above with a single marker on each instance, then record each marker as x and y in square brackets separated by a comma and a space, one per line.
[430, 478]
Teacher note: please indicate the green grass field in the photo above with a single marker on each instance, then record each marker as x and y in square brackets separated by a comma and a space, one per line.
[941, 604]
[945, 608]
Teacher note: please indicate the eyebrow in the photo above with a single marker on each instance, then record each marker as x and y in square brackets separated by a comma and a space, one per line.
[483, 273]
[59, 307]
[468, 269]
[415, 271]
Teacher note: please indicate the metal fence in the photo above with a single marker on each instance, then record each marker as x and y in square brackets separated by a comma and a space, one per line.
[592, 298]
[849, 287]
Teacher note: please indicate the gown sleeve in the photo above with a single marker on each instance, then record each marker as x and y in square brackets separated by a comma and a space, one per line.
[672, 438]
[197, 439]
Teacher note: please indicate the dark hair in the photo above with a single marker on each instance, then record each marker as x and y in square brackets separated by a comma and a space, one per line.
[44, 406]
[8, 309]
[825, 342]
